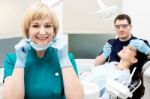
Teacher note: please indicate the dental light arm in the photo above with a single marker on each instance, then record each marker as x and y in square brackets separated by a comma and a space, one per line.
[52, 3]
[56, 3]
[101, 4]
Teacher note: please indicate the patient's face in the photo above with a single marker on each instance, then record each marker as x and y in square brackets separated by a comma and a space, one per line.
[127, 53]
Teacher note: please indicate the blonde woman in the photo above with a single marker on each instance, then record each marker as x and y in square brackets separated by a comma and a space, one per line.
[37, 70]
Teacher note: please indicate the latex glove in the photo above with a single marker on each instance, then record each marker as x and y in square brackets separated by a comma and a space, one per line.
[62, 52]
[140, 45]
[22, 49]
[106, 50]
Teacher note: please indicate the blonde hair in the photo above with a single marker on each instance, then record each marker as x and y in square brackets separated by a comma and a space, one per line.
[38, 11]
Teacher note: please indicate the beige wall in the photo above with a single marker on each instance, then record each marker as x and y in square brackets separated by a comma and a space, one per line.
[79, 16]
[11, 12]
[140, 15]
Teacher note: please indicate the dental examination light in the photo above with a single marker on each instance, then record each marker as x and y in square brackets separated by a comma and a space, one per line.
[52, 3]
[105, 12]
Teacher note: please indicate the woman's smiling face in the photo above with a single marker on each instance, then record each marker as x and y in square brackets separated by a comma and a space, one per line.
[41, 31]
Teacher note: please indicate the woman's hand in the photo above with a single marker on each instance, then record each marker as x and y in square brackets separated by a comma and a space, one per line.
[63, 57]
[21, 49]
[62, 52]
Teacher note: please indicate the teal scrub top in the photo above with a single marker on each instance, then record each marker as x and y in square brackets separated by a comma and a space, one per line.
[73, 62]
[43, 76]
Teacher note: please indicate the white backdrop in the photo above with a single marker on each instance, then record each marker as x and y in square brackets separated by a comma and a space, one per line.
[139, 11]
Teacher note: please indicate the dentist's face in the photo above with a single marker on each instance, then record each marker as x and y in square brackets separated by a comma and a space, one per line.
[41, 31]
[123, 29]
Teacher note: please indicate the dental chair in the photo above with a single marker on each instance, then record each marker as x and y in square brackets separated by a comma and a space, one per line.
[146, 69]
[120, 91]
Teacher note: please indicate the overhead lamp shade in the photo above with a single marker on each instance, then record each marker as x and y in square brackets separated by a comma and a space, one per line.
[106, 12]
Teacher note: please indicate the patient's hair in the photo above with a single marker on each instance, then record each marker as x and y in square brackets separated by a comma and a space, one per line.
[138, 75]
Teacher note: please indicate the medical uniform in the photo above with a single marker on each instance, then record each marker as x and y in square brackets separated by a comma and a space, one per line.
[118, 45]
[43, 76]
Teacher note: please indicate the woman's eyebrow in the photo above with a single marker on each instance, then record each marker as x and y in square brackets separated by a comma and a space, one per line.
[49, 23]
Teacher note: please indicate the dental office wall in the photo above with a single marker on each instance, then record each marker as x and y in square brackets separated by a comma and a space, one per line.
[139, 10]
[79, 16]
[7, 45]
[11, 12]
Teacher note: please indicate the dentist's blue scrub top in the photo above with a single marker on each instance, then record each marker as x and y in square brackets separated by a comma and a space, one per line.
[43, 76]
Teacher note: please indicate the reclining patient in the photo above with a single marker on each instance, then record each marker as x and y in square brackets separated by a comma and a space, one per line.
[119, 71]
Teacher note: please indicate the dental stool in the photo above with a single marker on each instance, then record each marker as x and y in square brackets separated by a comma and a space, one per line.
[117, 90]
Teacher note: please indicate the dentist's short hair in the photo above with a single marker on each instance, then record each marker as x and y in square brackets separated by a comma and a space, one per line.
[122, 17]
[38, 11]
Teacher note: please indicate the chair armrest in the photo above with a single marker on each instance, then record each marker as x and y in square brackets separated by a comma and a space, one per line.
[146, 69]
[134, 85]
[146, 65]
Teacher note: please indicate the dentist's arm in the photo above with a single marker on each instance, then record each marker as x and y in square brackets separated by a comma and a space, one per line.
[101, 59]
